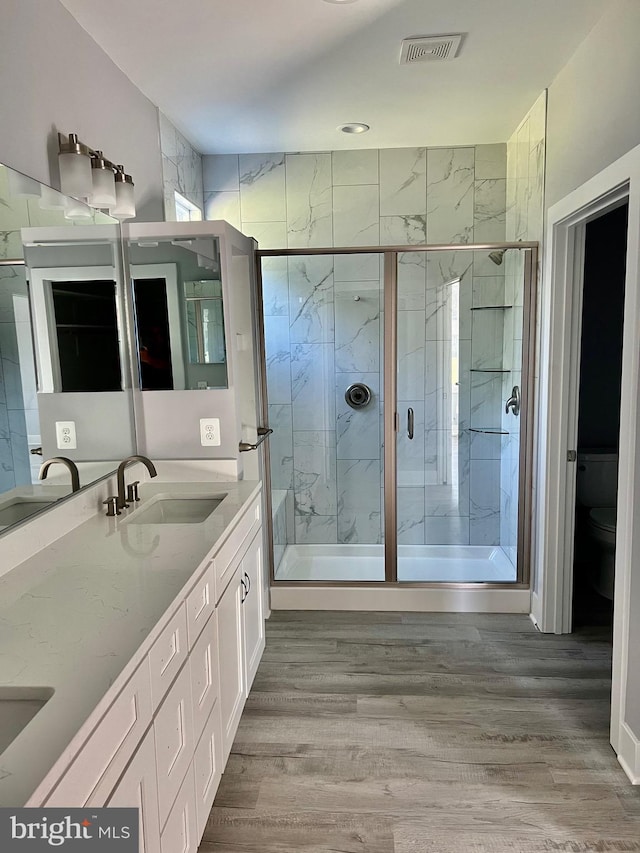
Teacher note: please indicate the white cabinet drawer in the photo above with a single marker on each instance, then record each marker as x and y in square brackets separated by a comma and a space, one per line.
[207, 766]
[167, 655]
[203, 661]
[138, 788]
[94, 772]
[173, 728]
[225, 562]
[180, 835]
[200, 604]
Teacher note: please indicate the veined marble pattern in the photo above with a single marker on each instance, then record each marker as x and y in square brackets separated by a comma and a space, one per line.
[262, 188]
[403, 184]
[357, 327]
[411, 452]
[489, 210]
[358, 268]
[351, 168]
[488, 290]
[275, 287]
[314, 454]
[484, 527]
[309, 200]
[410, 516]
[446, 530]
[359, 506]
[312, 388]
[358, 430]
[311, 310]
[486, 400]
[281, 446]
[411, 280]
[278, 357]
[315, 529]
[486, 339]
[223, 205]
[356, 217]
[411, 353]
[407, 230]
[491, 161]
[269, 235]
[450, 202]
[182, 168]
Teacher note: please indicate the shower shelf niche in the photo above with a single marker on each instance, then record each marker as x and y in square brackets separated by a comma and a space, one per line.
[489, 431]
[489, 370]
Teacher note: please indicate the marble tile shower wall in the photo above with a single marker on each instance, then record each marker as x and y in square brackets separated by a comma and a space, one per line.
[323, 323]
[525, 212]
[181, 169]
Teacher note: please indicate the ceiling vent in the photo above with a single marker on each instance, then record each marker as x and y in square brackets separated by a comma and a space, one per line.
[429, 49]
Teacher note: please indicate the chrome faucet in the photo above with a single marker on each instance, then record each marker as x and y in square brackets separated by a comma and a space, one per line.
[71, 465]
[151, 468]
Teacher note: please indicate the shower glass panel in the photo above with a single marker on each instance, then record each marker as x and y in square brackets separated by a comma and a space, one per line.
[459, 359]
[324, 358]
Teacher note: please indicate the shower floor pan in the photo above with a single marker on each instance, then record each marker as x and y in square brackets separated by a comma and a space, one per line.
[418, 563]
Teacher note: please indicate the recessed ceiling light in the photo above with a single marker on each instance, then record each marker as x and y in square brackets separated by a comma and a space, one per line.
[354, 127]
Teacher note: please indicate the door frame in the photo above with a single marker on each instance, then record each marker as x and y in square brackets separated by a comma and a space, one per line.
[560, 330]
[391, 417]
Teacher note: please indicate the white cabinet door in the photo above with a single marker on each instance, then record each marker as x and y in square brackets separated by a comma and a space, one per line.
[252, 609]
[207, 765]
[231, 661]
[180, 835]
[175, 743]
[203, 662]
[138, 788]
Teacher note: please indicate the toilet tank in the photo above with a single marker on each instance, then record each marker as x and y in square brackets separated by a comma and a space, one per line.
[597, 478]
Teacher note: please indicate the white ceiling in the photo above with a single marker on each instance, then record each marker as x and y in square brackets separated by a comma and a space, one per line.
[281, 75]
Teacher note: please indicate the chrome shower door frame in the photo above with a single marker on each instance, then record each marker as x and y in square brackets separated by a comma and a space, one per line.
[390, 409]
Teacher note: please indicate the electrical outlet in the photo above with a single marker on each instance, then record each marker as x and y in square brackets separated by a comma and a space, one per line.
[66, 435]
[210, 432]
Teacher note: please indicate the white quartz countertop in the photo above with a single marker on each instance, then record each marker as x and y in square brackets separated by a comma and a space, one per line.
[80, 614]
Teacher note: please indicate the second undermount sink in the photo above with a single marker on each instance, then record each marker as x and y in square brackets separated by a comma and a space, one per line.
[185, 510]
[18, 706]
[21, 508]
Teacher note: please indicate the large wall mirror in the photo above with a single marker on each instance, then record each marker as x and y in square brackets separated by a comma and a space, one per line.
[178, 311]
[65, 368]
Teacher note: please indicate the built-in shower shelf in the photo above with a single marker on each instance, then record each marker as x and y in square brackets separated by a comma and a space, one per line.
[490, 307]
[489, 431]
[489, 370]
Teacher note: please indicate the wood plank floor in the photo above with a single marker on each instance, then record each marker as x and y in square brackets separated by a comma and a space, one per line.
[425, 733]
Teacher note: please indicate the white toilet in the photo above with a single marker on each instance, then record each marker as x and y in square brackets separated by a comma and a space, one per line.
[596, 488]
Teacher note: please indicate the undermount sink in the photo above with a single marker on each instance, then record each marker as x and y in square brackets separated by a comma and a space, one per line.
[18, 706]
[21, 508]
[177, 511]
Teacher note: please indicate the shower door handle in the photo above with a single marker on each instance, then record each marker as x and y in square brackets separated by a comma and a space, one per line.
[410, 423]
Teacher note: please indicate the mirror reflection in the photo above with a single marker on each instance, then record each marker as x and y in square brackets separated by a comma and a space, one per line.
[62, 347]
[179, 314]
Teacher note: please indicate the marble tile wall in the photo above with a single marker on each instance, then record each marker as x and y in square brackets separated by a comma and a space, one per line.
[181, 169]
[323, 326]
[524, 221]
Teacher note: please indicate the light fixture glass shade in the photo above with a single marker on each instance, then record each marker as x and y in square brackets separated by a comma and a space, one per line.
[104, 188]
[75, 209]
[125, 205]
[51, 199]
[75, 174]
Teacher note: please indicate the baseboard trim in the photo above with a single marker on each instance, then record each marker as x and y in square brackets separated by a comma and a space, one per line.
[413, 599]
[629, 754]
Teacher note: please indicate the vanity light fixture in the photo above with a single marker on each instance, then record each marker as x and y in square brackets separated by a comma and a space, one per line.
[125, 206]
[354, 127]
[87, 175]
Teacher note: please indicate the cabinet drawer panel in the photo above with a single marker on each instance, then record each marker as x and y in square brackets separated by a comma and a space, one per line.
[96, 769]
[167, 655]
[224, 562]
[200, 604]
[203, 661]
[207, 765]
[180, 835]
[138, 788]
[173, 729]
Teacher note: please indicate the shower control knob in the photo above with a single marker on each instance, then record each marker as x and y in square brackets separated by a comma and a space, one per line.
[358, 395]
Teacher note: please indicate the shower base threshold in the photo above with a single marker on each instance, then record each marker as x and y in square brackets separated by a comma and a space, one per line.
[416, 563]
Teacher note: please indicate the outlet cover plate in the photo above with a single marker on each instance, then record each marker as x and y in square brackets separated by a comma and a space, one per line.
[210, 432]
[66, 435]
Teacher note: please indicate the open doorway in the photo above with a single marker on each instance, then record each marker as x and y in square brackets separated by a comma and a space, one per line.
[599, 418]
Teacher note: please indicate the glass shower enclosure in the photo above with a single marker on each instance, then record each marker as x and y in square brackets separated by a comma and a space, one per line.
[398, 386]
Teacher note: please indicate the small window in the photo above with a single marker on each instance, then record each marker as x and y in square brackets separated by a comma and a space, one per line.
[186, 211]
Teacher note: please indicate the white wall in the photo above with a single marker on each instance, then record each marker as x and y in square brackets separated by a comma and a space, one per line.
[593, 111]
[53, 76]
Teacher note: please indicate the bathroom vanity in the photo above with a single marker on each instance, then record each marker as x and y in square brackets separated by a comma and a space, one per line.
[129, 647]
